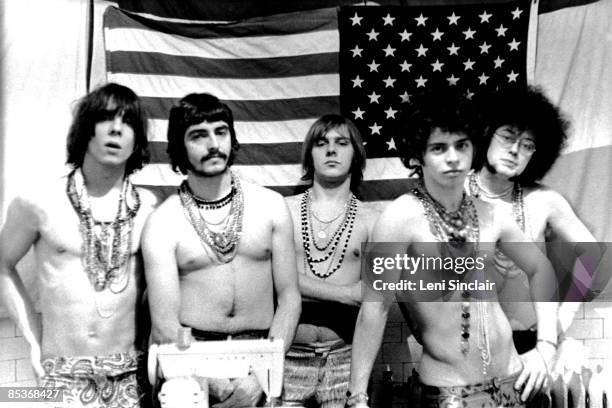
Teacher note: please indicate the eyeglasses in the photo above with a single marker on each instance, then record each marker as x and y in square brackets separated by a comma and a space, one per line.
[507, 140]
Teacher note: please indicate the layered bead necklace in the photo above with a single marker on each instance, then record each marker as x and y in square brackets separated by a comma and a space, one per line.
[459, 228]
[330, 247]
[518, 204]
[106, 245]
[224, 243]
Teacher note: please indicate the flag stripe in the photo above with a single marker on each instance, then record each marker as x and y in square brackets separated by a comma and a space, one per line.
[269, 132]
[164, 64]
[237, 89]
[138, 40]
[280, 24]
[257, 111]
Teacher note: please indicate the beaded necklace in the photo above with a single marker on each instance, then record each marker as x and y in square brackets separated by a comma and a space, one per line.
[458, 228]
[106, 245]
[330, 248]
[215, 204]
[518, 203]
[223, 243]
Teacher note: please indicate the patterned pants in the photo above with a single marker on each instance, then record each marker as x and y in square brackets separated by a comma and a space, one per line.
[318, 374]
[95, 382]
[495, 393]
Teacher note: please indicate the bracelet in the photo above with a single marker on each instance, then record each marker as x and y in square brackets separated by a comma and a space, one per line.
[354, 399]
[552, 343]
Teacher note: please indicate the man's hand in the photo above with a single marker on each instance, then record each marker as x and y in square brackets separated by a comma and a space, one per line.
[247, 393]
[37, 367]
[534, 376]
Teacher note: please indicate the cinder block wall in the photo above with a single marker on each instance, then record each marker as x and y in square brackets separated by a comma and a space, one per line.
[592, 326]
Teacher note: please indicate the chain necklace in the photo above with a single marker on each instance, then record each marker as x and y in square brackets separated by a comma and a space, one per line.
[518, 203]
[458, 228]
[106, 245]
[330, 248]
[326, 224]
[223, 243]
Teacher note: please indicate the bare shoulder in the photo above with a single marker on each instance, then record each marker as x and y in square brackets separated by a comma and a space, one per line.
[405, 208]
[294, 201]
[43, 197]
[264, 199]
[542, 195]
[166, 214]
[367, 212]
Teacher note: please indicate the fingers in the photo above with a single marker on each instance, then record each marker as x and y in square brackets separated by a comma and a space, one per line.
[527, 390]
[522, 378]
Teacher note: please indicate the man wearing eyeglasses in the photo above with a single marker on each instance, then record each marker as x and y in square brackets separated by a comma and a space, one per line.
[525, 135]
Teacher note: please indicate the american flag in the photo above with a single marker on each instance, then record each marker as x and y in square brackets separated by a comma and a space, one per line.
[389, 53]
[280, 73]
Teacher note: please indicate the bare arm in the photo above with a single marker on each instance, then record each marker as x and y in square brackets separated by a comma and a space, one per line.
[284, 273]
[19, 233]
[373, 313]
[543, 285]
[161, 272]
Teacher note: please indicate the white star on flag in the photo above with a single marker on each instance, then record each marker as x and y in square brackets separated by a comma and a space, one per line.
[405, 35]
[391, 144]
[389, 82]
[357, 82]
[356, 19]
[484, 17]
[421, 20]
[422, 51]
[437, 35]
[514, 45]
[452, 80]
[517, 13]
[405, 97]
[389, 52]
[453, 19]
[356, 51]
[483, 79]
[375, 129]
[420, 81]
[390, 113]
[437, 66]
[372, 35]
[469, 33]
[373, 66]
[501, 30]
[512, 76]
[452, 50]
[484, 48]
[469, 94]
[405, 66]
[468, 64]
[358, 113]
[374, 97]
[498, 62]
[388, 19]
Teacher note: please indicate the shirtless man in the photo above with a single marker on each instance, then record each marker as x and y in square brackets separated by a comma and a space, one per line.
[217, 252]
[332, 225]
[525, 135]
[468, 357]
[85, 230]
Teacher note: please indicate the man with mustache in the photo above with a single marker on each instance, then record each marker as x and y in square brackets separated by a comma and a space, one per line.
[219, 254]
[468, 357]
[85, 231]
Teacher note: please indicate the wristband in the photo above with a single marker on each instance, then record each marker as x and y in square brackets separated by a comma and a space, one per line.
[354, 399]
